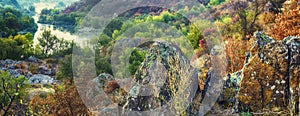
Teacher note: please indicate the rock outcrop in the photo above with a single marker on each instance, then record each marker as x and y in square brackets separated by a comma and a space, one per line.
[269, 80]
[158, 85]
[36, 70]
[159, 79]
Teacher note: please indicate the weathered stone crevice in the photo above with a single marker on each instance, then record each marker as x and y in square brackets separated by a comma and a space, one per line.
[293, 76]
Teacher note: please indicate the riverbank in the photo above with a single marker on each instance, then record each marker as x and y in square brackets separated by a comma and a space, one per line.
[41, 27]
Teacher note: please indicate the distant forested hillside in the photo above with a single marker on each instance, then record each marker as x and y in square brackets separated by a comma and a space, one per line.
[12, 3]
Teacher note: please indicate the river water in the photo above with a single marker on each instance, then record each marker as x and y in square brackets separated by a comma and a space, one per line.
[60, 34]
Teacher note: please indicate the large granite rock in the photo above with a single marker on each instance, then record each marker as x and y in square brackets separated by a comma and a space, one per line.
[271, 77]
[269, 80]
[160, 78]
[263, 83]
[159, 83]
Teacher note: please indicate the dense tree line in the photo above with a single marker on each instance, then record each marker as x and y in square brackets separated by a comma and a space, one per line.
[55, 17]
[21, 46]
[17, 47]
[13, 22]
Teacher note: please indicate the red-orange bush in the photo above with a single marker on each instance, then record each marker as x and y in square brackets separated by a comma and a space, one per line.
[286, 24]
[41, 104]
[62, 103]
[236, 53]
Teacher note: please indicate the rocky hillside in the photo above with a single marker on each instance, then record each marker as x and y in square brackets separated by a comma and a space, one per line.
[268, 83]
[163, 77]
[37, 71]
[81, 6]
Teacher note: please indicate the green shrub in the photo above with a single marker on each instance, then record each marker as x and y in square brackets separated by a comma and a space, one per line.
[12, 90]
[65, 68]
[135, 60]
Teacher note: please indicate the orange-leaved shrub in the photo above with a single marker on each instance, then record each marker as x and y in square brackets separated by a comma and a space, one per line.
[236, 50]
[286, 24]
[65, 102]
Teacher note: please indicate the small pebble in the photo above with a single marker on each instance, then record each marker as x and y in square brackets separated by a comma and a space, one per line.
[282, 92]
[278, 82]
[273, 87]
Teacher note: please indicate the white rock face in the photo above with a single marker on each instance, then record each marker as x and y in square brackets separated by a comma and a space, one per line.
[41, 79]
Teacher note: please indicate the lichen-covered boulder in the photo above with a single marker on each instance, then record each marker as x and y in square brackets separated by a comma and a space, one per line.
[164, 80]
[268, 81]
[270, 78]
[163, 74]
[263, 86]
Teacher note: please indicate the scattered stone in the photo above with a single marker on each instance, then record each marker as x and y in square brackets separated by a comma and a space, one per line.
[41, 79]
[24, 68]
[9, 61]
[33, 59]
[102, 79]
